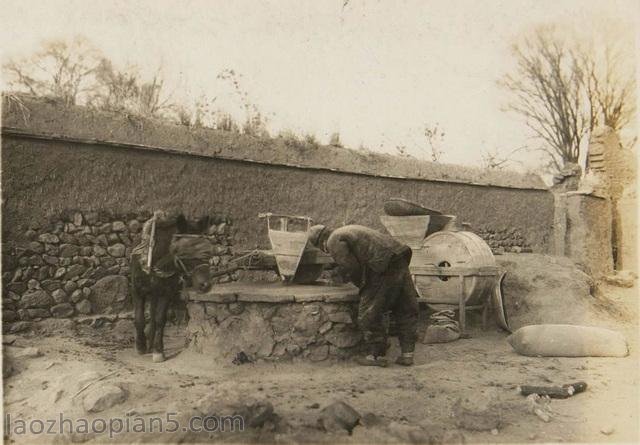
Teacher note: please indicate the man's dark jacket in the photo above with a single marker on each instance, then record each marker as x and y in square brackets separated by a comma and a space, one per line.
[359, 250]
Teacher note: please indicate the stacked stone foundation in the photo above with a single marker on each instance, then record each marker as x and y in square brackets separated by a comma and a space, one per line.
[274, 322]
[77, 264]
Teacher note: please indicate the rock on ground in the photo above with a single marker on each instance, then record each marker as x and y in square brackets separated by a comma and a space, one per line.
[228, 401]
[102, 397]
[479, 411]
[337, 417]
[29, 352]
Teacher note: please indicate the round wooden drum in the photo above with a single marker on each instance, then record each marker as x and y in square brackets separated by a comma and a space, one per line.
[453, 249]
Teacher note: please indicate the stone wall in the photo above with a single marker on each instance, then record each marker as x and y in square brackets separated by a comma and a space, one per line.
[78, 264]
[272, 322]
[505, 240]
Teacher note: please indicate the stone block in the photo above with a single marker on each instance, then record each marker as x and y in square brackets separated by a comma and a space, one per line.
[51, 260]
[309, 298]
[343, 337]
[317, 353]
[49, 238]
[70, 286]
[77, 219]
[326, 327]
[74, 271]
[118, 226]
[63, 310]
[265, 298]
[341, 317]
[214, 297]
[76, 295]
[342, 298]
[134, 226]
[38, 313]
[35, 299]
[50, 285]
[59, 296]
[35, 247]
[108, 291]
[104, 228]
[117, 250]
[84, 307]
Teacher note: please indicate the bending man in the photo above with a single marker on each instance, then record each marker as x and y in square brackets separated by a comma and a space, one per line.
[379, 266]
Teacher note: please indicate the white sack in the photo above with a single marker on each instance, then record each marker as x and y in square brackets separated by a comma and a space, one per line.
[563, 340]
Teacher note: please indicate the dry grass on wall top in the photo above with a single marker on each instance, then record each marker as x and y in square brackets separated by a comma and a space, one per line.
[45, 117]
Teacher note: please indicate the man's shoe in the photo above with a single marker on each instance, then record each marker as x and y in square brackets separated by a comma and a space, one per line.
[404, 361]
[372, 361]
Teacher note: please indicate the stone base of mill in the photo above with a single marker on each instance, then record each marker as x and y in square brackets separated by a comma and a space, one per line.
[274, 321]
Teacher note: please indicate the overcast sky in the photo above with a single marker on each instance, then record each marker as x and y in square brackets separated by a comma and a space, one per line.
[375, 71]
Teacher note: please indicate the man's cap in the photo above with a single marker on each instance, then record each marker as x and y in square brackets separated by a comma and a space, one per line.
[315, 233]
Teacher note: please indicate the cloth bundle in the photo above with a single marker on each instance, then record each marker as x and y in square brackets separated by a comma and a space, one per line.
[442, 328]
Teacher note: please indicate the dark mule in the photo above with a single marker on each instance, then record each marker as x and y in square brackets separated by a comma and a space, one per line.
[161, 284]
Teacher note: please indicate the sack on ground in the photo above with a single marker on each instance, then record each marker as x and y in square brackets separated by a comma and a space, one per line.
[561, 340]
[442, 328]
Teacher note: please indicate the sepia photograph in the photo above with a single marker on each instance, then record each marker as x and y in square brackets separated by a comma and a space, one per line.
[319, 221]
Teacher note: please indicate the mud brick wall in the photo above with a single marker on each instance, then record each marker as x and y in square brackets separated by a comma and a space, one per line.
[77, 263]
[587, 234]
[56, 158]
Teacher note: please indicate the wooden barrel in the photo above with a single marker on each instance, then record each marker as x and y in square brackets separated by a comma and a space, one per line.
[451, 249]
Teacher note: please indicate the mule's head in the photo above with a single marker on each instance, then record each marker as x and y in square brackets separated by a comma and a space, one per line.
[193, 252]
[200, 278]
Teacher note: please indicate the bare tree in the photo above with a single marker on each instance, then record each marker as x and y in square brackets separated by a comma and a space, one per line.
[435, 137]
[563, 92]
[125, 91]
[255, 122]
[60, 69]
[77, 73]
[610, 86]
[116, 90]
[494, 160]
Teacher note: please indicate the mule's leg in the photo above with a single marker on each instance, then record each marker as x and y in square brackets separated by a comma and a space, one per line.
[138, 302]
[153, 302]
[141, 339]
[160, 314]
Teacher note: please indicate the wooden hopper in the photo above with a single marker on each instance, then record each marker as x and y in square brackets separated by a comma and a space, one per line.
[288, 241]
[409, 230]
[403, 207]
[413, 229]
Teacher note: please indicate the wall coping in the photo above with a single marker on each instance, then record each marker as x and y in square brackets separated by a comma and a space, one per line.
[246, 292]
[45, 119]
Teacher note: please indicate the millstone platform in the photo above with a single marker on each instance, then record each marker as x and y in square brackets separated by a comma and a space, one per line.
[274, 321]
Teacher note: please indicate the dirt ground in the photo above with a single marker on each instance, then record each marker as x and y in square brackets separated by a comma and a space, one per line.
[422, 396]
